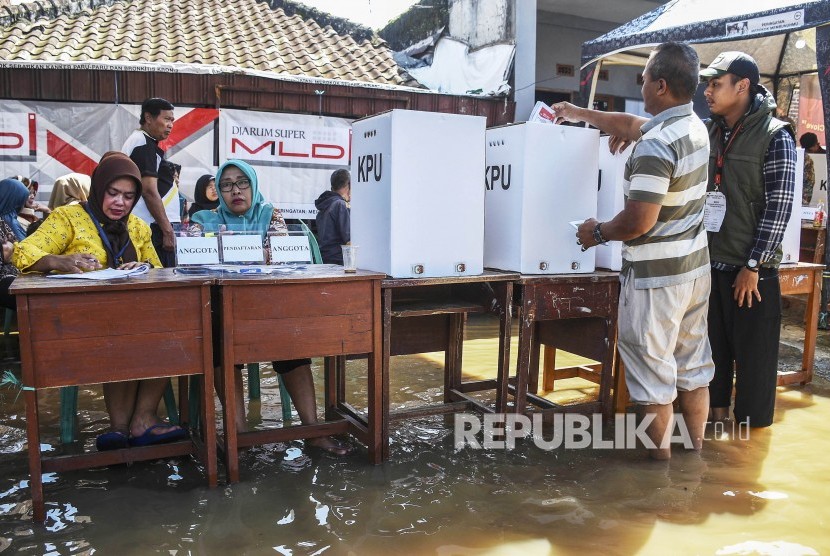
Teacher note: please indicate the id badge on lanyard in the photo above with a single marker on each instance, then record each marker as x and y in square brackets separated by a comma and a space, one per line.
[714, 211]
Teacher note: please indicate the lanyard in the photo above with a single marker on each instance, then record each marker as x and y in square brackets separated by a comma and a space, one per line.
[722, 150]
[116, 259]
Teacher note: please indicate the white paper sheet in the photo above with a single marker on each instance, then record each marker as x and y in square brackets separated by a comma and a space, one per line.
[105, 274]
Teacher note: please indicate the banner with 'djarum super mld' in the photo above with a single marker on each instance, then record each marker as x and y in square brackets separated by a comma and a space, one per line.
[293, 154]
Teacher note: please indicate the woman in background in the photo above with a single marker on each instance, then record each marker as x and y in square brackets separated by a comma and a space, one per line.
[13, 196]
[205, 195]
[69, 190]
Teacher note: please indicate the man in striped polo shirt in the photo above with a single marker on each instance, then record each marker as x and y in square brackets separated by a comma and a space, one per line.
[665, 276]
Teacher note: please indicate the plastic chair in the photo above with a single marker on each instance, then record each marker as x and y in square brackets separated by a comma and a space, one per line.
[316, 257]
[7, 326]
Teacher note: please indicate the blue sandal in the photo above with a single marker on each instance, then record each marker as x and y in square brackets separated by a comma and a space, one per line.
[148, 438]
[112, 440]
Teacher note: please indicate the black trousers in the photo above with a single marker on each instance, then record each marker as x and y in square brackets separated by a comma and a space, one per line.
[167, 258]
[7, 300]
[745, 347]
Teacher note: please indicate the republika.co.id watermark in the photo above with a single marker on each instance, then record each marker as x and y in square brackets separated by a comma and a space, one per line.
[573, 431]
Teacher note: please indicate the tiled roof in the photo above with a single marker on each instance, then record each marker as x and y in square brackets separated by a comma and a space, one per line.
[235, 33]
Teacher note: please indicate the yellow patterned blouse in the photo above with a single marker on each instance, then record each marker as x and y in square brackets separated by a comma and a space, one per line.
[69, 230]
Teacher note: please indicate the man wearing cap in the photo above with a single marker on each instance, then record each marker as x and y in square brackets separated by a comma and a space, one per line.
[662, 332]
[749, 200]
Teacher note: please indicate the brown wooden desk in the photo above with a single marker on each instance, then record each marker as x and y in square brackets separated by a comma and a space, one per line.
[318, 312]
[574, 312]
[423, 315]
[76, 332]
[803, 278]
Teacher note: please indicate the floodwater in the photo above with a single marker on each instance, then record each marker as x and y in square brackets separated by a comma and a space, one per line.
[764, 495]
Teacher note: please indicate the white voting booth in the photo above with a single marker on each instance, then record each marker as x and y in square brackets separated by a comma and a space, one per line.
[539, 179]
[417, 202]
[611, 200]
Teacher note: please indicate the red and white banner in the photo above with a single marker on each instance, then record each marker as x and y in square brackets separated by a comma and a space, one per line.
[293, 154]
[810, 112]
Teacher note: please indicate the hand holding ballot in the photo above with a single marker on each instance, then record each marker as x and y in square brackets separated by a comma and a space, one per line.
[566, 112]
[585, 234]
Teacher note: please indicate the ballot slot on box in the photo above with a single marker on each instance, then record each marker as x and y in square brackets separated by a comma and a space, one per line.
[610, 200]
[540, 181]
[417, 205]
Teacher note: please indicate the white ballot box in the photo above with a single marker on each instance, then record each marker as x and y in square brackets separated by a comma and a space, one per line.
[611, 200]
[417, 207]
[791, 244]
[540, 180]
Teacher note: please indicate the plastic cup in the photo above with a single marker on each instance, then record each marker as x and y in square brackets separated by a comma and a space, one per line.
[349, 258]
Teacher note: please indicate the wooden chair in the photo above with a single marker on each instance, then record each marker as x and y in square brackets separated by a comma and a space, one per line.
[550, 373]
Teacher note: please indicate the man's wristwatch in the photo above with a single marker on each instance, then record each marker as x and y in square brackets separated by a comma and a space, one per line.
[752, 265]
[598, 237]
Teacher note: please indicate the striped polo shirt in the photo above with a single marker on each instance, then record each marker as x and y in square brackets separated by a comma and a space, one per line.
[669, 167]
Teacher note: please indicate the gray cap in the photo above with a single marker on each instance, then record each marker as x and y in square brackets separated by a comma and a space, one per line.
[736, 63]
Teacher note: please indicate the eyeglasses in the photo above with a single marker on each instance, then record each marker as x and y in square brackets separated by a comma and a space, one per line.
[241, 184]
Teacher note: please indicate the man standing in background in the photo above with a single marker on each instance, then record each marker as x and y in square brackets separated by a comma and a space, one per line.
[159, 203]
[334, 218]
[749, 201]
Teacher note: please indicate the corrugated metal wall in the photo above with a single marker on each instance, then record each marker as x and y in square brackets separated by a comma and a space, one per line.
[235, 91]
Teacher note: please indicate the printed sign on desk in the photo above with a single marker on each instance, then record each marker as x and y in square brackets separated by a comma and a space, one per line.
[197, 250]
[242, 248]
[290, 249]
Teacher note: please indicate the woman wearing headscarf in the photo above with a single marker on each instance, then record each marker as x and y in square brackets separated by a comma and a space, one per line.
[205, 196]
[13, 196]
[69, 189]
[28, 215]
[102, 233]
[242, 208]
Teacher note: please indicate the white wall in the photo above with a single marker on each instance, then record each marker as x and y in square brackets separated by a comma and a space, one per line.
[559, 40]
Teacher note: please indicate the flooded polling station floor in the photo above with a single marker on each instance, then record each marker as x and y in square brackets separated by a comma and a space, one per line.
[764, 495]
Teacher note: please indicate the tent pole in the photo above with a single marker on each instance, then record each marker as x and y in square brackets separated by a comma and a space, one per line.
[823, 65]
[593, 92]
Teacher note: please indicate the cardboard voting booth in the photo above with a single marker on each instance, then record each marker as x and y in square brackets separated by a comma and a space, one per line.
[791, 244]
[417, 207]
[539, 179]
[611, 200]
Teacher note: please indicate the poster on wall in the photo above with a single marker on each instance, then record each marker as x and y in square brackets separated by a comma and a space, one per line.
[46, 140]
[810, 111]
[293, 154]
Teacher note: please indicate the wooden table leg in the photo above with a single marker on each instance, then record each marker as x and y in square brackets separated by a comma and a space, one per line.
[377, 412]
[229, 390]
[811, 326]
[386, 347]
[607, 370]
[453, 355]
[33, 439]
[504, 290]
[527, 327]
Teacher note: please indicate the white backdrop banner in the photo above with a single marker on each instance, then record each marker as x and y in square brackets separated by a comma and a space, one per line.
[293, 154]
[46, 140]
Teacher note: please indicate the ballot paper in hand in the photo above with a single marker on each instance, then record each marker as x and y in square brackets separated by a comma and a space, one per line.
[105, 274]
[542, 113]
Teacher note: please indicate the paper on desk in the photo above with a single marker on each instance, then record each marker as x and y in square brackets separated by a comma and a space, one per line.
[254, 269]
[105, 274]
